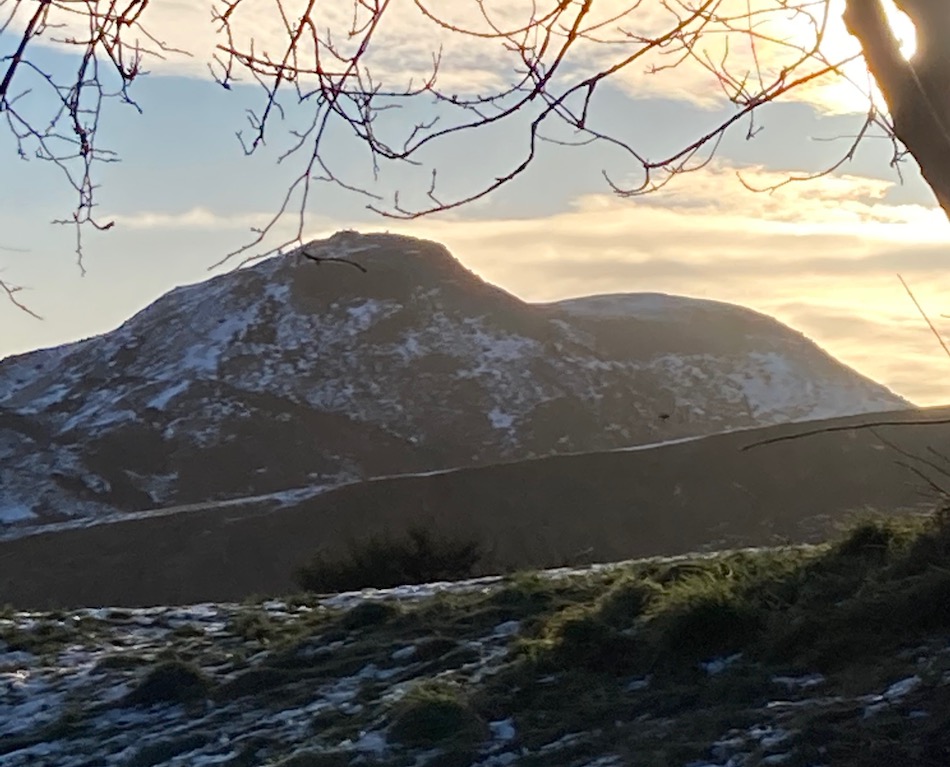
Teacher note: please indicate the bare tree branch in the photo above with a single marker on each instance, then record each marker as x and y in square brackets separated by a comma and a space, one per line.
[329, 76]
[108, 59]
[843, 427]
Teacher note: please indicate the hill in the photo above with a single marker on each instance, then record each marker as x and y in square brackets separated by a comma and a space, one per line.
[291, 373]
[703, 493]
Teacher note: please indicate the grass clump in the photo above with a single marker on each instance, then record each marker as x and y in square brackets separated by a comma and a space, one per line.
[43, 638]
[384, 562]
[172, 681]
[702, 617]
[437, 714]
[583, 640]
[254, 625]
[627, 600]
[368, 614]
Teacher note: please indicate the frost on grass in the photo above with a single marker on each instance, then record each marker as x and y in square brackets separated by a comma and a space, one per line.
[575, 667]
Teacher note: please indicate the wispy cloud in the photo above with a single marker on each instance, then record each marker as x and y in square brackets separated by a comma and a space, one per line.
[407, 42]
[194, 218]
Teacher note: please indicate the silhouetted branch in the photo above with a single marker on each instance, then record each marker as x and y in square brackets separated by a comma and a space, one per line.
[842, 427]
[933, 329]
[106, 37]
[11, 292]
[332, 66]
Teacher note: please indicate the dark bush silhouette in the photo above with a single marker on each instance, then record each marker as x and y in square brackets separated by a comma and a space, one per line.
[384, 562]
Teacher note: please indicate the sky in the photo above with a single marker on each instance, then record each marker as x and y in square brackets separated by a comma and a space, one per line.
[821, 256]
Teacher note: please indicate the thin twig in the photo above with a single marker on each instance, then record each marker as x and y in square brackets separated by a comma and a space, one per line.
[923, 314]
[842, 427]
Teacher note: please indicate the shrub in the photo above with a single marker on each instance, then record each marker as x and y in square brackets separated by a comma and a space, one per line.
[384, 562]
[871, 540]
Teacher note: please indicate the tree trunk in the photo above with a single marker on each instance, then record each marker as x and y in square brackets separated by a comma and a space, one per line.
[917, 92]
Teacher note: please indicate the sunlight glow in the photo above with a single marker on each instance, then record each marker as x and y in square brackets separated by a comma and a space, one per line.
[851, 93]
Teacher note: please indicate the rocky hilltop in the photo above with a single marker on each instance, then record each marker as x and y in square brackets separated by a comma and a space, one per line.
[292, 373]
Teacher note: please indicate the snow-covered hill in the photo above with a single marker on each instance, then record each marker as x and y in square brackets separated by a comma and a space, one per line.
[291, 373]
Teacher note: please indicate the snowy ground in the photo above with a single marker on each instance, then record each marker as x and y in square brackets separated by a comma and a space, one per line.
[321, 682]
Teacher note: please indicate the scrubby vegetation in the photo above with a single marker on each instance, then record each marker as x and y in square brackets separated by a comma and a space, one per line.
[881, 585]
[832, 654]
[386, 561]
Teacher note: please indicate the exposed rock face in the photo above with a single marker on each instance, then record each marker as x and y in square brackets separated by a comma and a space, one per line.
[291, 373]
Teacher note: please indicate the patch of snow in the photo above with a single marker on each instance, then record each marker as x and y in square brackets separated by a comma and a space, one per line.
[202, 359]
[363, 314]
[648, 305]
[368, 742]
[507, 629]
[161, 400]
[718, 665]
[635, 685]
[768, 736]
[28, 702]
[403, 653]
[800, 682]
[499, 760]
[770, 382]
[502, 730]
[54, 395]
[410, 348]
[904, 687]
[15, 513]
[651, 445]
[565, 741]
[607, 760]
[500, 419]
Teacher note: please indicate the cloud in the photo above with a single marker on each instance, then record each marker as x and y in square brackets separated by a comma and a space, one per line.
[194, 218]
[407, 41]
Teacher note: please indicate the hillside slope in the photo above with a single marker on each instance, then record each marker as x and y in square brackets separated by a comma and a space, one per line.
[704, 493]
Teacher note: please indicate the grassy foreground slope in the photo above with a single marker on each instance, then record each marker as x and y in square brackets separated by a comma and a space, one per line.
[835, 654]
